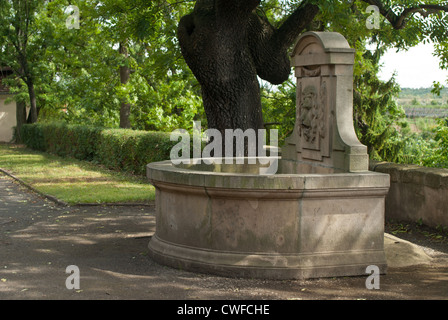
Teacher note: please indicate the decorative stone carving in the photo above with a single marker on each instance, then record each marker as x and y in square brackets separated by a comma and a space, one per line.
[311, 122]
[323, 136]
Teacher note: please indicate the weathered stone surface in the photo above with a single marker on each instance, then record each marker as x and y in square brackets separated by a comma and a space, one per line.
[323, 134]
[401, 253]
[281, 226]
[416, 193]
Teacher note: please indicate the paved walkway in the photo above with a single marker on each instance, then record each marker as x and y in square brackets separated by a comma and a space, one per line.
[39, 239]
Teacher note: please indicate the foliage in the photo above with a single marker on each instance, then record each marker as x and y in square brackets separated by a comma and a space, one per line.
[425, 144]
[19, 49]
[375, 110]
[379, 121]
[78, 69]
[119, 149]
[438, 153]
[64, 140]
[377, 114]
[279, 108]
[132, 150]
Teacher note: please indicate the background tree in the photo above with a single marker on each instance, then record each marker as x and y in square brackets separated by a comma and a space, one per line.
[18, 49]
[227, 44]
[79, 69]
[159, 92]
[123, 26]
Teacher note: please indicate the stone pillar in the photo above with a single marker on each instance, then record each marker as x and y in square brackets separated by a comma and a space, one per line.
[324, 139]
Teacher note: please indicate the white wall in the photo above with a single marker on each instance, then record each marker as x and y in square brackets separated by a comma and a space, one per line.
[7, 119]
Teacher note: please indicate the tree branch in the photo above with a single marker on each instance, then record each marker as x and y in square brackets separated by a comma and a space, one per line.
[269, 46]
[293, 26]
[399, 21]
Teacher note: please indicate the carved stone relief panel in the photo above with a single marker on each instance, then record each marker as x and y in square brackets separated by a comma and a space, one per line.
[312, 117]
[323, 135]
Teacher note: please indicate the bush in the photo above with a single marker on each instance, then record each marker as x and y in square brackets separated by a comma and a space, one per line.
[33, 136]
[439, 155]
[64, 140]
[118, 149]
[130, 150]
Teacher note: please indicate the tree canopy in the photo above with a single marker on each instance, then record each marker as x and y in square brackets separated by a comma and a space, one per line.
[75, 74]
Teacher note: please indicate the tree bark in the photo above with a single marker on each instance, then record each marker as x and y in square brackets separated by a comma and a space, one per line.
[32, 117]
[20, 119]
[227, 45]
[125, 74]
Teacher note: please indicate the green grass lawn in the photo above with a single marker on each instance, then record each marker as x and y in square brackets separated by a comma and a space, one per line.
[71, 180]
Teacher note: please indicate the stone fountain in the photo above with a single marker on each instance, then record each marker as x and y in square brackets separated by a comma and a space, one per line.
[320, 215]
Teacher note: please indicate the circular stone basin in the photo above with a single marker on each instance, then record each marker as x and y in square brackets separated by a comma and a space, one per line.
[230, 220]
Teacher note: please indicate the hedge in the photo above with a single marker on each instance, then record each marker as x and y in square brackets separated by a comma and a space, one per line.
[118, 149]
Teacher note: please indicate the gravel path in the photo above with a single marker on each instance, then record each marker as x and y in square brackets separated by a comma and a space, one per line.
[39, 239]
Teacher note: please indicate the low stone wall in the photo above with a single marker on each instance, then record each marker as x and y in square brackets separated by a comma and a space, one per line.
[416, 193]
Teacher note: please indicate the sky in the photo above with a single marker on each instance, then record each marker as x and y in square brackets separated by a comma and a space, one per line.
[416, 68]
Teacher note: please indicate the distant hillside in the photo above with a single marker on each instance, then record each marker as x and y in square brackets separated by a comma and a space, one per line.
[422, 97]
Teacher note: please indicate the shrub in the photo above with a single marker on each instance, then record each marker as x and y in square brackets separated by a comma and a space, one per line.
[119, 149]
[61, 139]
[33, 136]
[131, 150]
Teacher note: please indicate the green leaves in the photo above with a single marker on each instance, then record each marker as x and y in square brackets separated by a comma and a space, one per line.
[76, 71]
[79, 68]
[279, 108]
[119, 149]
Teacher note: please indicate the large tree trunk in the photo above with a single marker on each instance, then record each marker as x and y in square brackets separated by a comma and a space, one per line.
[32, 117]
[20, 119]
[125, 74]
[226, 45]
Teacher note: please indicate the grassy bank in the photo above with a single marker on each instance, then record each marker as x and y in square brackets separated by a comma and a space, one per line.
[71, 180]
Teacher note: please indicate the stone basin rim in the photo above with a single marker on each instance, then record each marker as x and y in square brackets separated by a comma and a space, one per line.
[166, 171]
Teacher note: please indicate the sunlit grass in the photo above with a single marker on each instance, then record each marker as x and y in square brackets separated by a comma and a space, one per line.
[71, 180]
